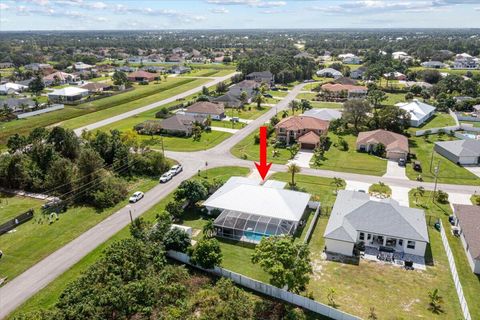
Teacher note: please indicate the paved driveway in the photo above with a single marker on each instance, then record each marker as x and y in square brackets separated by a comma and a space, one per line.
[400, 194]
[395, 171]
[357, 185]
[229, 130]
[302, 159]
[474, 170]
[459, 198]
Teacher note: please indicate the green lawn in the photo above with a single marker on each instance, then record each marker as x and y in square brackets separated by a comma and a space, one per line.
[393, 98]
[48, 296]
[36, 239]
[476, 124]
[451, 71]
[470, 282]
[326, 105]
[438, 120]
[306, 96]
[11, 206]
[250, 111]
[278, 93]
[207, 140]
[380, 188]
[352, 161]
[228, 124]
[449, 172]
[247, 149]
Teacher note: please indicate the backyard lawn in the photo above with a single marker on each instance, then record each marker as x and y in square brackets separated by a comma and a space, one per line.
[11, 206]
[351, 160]
[451, 71]
[449, 172]
[48, 296]
[36, 239]
[438, 120]
[393, 98]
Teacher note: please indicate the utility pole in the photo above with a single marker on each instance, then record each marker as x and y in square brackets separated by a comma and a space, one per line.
[437, 168]
[431, 159]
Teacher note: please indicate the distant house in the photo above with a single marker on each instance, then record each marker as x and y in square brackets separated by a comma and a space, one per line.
[12, 88]
[352, 60]
[467, 219]
[262, 77]
[141, 76]
[396, 145]
[126, 69]
[395, 76]
[467, 63]
[67, 94]
[179, 70]
[345, 90]
[434, 64]
[43, 67]
[59, 77]
[358, 73]
[248, 86]
[303, 129]
[381, 224]
[17, 105]
[345, 80]
[401, 55]
[204, 108]
[181, 123]
[346, 55]
[177, 58]
[82, 66]
[96, 87]
[462, 152]
[324, 114]
[419, 111]
[329, 73]
[229, 100]
[153, 69]
[303, 54]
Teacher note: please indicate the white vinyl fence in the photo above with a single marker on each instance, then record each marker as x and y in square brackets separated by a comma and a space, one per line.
[54, 107]
[456, 279]
[270, 290]
[312, 224]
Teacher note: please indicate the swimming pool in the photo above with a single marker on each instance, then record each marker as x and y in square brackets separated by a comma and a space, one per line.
[253, 236]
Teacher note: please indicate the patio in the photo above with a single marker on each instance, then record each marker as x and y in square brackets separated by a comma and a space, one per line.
[394, 258]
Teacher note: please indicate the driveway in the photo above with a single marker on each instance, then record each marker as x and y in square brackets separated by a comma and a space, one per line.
[247, 121]
[395, 171]
[459, 198]
[357, 185]
[400, 194]
[229, 130]
[474, 170]
[302, 159]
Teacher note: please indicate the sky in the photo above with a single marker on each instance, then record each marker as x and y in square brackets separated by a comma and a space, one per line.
[236, 14]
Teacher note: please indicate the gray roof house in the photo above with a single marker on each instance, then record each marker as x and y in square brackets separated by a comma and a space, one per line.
[329, 73]
[262, 76]
[324, 114]
[468, 220]
[433, 64]
[17, 104]
[358, 73]
[378, 223]
[463, 152]
[229, 100]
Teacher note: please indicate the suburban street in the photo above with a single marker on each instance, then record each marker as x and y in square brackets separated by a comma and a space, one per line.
[21, 288]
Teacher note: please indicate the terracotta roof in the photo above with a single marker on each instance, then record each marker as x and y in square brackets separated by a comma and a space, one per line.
[303, 122]
[469, 221]
[309, 137]
[142, 74]
[62, 76]
[206, 107]
[94, 86]
[336, 87]
[391, 140]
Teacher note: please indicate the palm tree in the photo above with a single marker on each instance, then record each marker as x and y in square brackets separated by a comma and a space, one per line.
[208, 229]
[259, 100]
[435, 301]
[293, 105]
[337, 182]
[293, 169]
[418, 192]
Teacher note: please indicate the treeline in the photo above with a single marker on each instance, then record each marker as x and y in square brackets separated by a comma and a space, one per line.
[89, 170]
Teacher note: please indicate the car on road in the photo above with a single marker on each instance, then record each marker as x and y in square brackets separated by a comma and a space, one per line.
[167, 176]
[176, 169]
[137, 196]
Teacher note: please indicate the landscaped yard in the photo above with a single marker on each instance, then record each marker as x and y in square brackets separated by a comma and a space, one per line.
[306, 96]
[449, 172]
[451, 71]
[247, 149]
[326, 105]
[48, 296]
[380, 188]
[36, 239]
[351, 160]
[393, 98]
[438, 120]
[12, 206]
[249, 111]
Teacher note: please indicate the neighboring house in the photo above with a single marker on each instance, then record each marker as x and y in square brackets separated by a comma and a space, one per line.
[303, 54]
[175, 58]
[179, 70]
[352, 60]
[262, 77]
[96, 87]
[358, 73]
[467, 218]
[305, 130]
[181, 123]
[346, 56]
[67, 94]
[400, 55]
[17, 105]
[126, 69]
[59, 77]
[465, 63]
[396, 145]
[345, 80]
[434, 64]
[250, 211]
[82, 66]
[154, 69]
[141, 76]
[419, 111]
[229, 100]
[204, 108]
[462, 152]
[395, 76]
[380, 224]
[248, 86]
[323, 114]
[43, 67]
[329, 73]
[12, 88]
[345, 90]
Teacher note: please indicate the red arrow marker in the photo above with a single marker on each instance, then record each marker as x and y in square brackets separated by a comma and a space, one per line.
[263, 166]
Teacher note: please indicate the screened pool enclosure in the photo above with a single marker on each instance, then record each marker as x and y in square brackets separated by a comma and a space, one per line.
[251, 227]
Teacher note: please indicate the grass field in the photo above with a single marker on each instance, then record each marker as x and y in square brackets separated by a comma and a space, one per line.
[351, 160]
[207, 141]
[48, 296]
[393, 98]
[247, 149]
[11, 206]
[306, 96]
[326, 105]
[36, 239]
[438, 120]
[451, 71]
[250, 111]
[449, 172]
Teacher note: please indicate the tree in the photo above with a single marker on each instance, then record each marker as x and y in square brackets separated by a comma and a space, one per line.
[206, 253]
[16, 142]
[177, 239]
[343, 144]
[305, 105]
[380, 150]
[196, 133]
[174, 208]
[331, 297]
[436, 302]
[258, 99]
[294, 148]
[119, 78]
[208, 229]
[373, 314]
[221, 87]
[338, 183]
[243, 98]
[36, 85]
[356, 111]
[61, 172]
[376, 97]
[418, 192]
[287, 262]
[293, 169]
[293, 105]
[441, 196]
[191, 190]
[205, 91]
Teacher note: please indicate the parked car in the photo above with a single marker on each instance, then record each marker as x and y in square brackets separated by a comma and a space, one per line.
[137, 196]
[55, 205]
[167, 176]
[176, 169]
[401, 162]
[235, 119]
[267, 95]
[417, 166]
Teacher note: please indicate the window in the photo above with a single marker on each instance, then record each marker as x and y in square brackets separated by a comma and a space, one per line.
[411, 244]
[400, 242]
[369, 236]
[362, 236]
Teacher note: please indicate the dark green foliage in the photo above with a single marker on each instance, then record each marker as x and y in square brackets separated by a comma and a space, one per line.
[191, 190]
[177, 239]
[206, 253]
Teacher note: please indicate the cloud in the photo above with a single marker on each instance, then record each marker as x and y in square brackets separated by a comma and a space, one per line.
[273, 11]
[376, 6]
[251, 3]
[477, 9]
[4, 6]
[97, 5]
[219, 10]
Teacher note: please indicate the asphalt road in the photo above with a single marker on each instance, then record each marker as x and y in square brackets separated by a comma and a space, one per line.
[21, 288]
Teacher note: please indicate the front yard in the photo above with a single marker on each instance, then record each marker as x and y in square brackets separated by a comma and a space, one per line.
[12, 206]
[248, 150]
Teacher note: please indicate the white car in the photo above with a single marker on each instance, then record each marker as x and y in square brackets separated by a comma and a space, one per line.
[167, 176]
[176, 169]
[137, 196]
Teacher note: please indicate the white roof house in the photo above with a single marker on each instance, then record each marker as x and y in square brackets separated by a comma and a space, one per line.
[324, 114]
[419, 111]
[346, 55]
[10, 88]
[82, 66]
[67, 94]
[329, 72]
[378, 223]
[250, 210]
